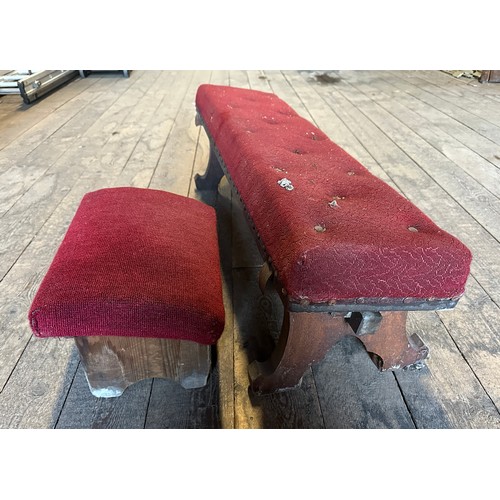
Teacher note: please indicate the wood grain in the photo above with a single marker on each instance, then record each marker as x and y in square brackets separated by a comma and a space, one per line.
[31, 124]
[355, 395]
[465, 133]
[480, 169]
[112, 364]
[81, 410]
[474, 198]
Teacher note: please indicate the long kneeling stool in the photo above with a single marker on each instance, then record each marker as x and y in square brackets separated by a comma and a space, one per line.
[136, 281]
[347, 253]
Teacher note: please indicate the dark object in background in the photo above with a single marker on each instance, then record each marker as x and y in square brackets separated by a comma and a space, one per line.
[490, 76]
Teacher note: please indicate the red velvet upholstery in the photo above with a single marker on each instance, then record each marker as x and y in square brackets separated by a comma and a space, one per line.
[134, 262]
[340, 233]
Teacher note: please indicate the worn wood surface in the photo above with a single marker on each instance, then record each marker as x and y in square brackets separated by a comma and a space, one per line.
[432, 137]
[112, 364]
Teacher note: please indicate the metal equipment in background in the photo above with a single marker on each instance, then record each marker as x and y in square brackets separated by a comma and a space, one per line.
[85, 72]
[34, 84]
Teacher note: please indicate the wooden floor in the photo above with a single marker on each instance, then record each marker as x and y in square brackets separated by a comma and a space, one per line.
[434, 138]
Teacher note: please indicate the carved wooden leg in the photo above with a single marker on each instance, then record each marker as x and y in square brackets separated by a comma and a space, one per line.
[212, 176]
[305, 338]
[111, 364]
[389, 347]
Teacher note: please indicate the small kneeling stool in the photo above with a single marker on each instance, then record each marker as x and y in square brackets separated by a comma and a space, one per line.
[136, 281]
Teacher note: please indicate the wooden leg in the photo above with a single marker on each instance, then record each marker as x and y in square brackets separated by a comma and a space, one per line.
[111, 364]
[305, 338]
[212, 176]
[389, 347]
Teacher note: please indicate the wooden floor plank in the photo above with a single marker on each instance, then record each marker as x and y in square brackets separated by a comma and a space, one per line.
[465, 133]
[26, 168]
[473, 325]
[466, 117]
[40, 133]
[36, 392]
[175, 167]
[82, 410]
[481, 170]
[258, 80]
[225, 346]
[238, 78]
[173, 407]
[446, 393]
[281, 87]
[469, 88]
[462, 187]
[30, 123]
[355, 395]
[488, 110]
[143, 161]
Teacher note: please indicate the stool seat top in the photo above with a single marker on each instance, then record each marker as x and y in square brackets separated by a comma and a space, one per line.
[332, 230]
[134, 262]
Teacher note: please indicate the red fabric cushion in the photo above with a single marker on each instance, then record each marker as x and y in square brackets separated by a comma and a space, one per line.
[340, 233]
[134, 262]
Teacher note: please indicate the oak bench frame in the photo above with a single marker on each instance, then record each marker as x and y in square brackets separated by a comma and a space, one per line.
[310, 330]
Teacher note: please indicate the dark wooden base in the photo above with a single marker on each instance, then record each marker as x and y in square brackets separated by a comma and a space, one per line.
[306, 337]
[490, 75]
[211, 178]
[112, 364]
